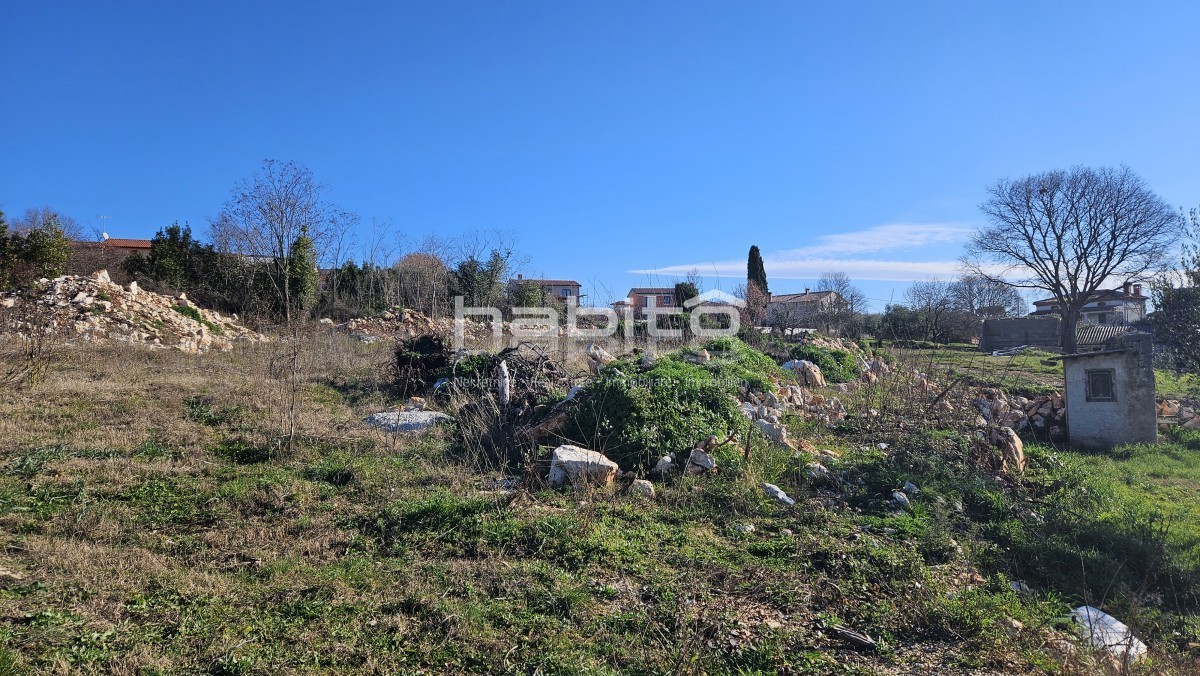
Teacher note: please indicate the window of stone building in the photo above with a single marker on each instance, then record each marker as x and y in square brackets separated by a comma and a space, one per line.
[1100, 385]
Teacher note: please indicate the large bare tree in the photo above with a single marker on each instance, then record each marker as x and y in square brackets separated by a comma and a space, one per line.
[269, 212]
[1070, 232]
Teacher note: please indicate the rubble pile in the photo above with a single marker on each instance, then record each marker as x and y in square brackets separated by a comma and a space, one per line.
[832, 343]
[1045, 415]
[1184, 414]
[767, 409]
[94, 308]
[406, 324]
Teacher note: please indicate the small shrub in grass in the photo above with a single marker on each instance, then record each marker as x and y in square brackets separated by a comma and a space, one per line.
[205, 412]
[418, 362]
[838, 366]
[242, 452]
[635, 418]
[336, 471]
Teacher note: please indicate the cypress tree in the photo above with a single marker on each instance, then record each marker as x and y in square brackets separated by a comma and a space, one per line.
[302, 273]
[755, 272]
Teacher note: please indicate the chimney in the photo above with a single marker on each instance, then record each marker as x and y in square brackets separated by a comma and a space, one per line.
[1137, 289]
[520, 276]
[806, 290]
[1128, 287]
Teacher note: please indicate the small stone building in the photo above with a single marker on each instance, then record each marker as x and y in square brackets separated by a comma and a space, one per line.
[1110, 394]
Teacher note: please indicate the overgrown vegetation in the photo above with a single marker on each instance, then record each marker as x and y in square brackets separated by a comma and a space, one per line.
[636, 416]
[147, 530]
[38, 248]
[838, 366]
[194, 314]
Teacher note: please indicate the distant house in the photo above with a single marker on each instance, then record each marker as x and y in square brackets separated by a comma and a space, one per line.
[119, 246]
[563, 289]
[1122, 306]
[641, 297]
[134, 246]
[109, 254]
[800, 310]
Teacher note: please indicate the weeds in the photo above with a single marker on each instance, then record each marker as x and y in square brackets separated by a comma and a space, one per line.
[181, 544]
[27, 348]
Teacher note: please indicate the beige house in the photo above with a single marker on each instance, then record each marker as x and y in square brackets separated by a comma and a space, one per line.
[1125, 305]
[800, 310]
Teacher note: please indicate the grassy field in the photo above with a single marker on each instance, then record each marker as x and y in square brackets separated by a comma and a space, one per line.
[1026, 373]
[152, 522]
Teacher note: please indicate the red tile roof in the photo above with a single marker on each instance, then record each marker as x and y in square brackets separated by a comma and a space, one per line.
[128, 243]
[116, 243]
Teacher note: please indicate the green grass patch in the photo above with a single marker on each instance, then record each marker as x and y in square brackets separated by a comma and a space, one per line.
[194, 314]
[204, 411]
[837, 366]
[1169, 385]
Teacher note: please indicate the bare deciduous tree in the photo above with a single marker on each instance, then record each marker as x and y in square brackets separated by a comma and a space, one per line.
[1069, 232]
[986, 298]
[755, 311]
[425, 279]
[41, 218]
[267, 213]
[931, 298]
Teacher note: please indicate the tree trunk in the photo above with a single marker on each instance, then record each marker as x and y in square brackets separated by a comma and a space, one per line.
[1070, 337]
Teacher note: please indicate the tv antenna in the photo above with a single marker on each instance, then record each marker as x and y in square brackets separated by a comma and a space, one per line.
[103, 230]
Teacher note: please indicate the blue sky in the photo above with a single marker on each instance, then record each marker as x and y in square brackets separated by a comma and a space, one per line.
[622, 142]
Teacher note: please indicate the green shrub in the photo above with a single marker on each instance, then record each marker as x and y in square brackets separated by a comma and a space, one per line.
[187, 311]
[838, 366]
[242, 452]
[205, 412]
[635, 418]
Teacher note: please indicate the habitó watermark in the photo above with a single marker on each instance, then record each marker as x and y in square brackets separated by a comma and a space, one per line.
[712, 314]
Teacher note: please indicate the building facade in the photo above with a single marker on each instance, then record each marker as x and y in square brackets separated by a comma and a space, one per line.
[800, 310]
[1124, 305]
[562, 289]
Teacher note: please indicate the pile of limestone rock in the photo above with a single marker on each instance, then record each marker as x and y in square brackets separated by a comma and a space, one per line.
[1182, 413]
[1045, 415]
[404, 324]
[94, 308]
[766, 409]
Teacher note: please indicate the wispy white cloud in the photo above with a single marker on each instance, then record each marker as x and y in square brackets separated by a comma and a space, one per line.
[850, 252]
[879, 238]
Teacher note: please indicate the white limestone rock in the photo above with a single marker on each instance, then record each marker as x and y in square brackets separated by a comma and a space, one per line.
[407, 421]
[574, 466]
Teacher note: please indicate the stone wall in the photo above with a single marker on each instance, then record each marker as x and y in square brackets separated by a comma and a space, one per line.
[1002, 334]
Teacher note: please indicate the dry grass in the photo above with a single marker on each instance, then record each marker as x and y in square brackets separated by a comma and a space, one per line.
[158, 526]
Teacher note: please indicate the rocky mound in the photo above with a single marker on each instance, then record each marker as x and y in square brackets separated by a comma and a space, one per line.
[1044, 416]
[94, 308]
[406, 324]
